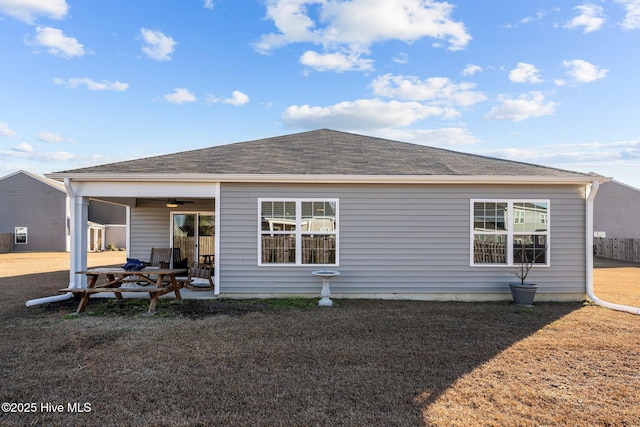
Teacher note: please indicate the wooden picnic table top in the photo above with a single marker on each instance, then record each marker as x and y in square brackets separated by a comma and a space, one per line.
[119, 270]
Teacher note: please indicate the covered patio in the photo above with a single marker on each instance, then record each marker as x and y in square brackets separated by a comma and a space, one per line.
[180, 213]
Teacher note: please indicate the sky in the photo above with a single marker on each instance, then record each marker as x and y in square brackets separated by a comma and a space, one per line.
[553, 83]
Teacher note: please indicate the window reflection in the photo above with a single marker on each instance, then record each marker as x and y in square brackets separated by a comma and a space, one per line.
[529, 217]
[489, 216]
[318, 216]
[278, 216]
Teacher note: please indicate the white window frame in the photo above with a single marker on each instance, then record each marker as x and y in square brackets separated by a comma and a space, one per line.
[25, 234]
[509, 215]
[298, 231]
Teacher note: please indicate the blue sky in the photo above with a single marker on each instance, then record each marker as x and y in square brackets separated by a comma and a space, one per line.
[548, 82]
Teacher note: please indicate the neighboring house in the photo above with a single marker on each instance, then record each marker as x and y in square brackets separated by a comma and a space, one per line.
[112, 220]
[616, 211]
[35, 210]
[397, 220]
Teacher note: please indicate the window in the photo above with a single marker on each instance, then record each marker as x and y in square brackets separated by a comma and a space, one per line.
[298, 232]
[21, 236]
[509, 232]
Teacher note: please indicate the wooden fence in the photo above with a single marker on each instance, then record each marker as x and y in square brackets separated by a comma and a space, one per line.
[206, 246]
[489, 253]
[622, 249]
[6, 241]
[315, 249]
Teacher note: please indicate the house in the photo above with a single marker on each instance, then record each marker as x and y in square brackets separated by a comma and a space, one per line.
[35, 211]
[397, 220]
[615, 222]
[616, 211]
[28, 201]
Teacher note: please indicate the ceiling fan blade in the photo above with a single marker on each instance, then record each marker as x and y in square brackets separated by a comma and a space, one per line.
[178, 202]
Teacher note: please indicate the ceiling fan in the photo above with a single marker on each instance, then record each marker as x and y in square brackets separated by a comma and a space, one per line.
[174, 203]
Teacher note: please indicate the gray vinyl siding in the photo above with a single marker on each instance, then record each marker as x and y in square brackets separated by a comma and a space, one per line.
[404, 239]
[149, 228]
[616, 209]
[27, 202]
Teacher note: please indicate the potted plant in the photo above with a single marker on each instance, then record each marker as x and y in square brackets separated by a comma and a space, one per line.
[523, 293]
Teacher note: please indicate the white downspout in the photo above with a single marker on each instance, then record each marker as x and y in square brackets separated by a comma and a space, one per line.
[592, 194]
[45, 300]
[73, 252]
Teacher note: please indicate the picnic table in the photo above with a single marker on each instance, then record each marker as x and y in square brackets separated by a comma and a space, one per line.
[163, 281]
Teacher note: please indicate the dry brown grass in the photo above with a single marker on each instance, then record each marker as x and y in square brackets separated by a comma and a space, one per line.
[360, 363]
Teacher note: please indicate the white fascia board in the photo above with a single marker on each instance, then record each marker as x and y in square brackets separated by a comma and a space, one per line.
[146, 188]
[328, 179]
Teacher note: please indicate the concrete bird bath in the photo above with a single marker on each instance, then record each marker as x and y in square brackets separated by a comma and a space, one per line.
[326, 276]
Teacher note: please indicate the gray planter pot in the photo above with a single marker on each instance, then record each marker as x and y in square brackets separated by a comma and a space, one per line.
[523, 294]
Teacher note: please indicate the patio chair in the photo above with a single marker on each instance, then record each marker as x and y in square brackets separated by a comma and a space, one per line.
[160, 257]
[198, 271]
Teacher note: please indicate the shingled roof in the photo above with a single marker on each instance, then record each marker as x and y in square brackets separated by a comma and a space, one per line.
[325, 152]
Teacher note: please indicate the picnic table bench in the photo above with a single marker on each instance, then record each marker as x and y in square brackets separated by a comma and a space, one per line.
[164, 283]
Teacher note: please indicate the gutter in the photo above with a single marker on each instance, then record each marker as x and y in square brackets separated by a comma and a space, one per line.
[322, 178]
[589, 225]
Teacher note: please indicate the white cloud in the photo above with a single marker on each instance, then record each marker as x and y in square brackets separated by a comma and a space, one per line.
[51, 137]
[211, 99]
[57, 43]
[437, 90]
[360, 114]
[590, 17]
[520, 154]
[363, 22]
[335, 61]
[539, 15]
[353, 26]
[237, 98]
[92, 85]
[632, 18]
[401, 58]
[471, 69]
[22, 148]
[595, 144]
[180, 95]
[524, 107]
[584, 72]
[617, 159]
[208, 4]
[157, 45]
[27, 10]
[574, 154]
[5, 131]
[25, 157]
[25, 151]
[525, 73]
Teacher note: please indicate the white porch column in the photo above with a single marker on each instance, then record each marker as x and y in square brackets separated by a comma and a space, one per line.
[216, 259]
[79, 245]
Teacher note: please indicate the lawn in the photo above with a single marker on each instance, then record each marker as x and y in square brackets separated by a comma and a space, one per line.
[291, 363]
